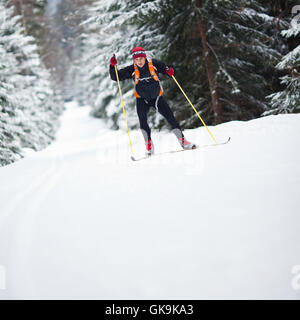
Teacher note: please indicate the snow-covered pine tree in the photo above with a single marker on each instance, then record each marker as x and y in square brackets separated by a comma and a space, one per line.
[32, 15]
[9, 146]
[224, 53]
[28, 109]
[288, 100]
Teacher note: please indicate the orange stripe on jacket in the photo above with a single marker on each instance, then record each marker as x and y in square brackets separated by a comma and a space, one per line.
[152, 73]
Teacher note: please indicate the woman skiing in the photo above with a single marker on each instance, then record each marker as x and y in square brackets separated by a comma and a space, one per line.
[148, 93]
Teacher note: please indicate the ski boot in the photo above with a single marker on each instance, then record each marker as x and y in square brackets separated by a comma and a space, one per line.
[186, 145]
[149, 148]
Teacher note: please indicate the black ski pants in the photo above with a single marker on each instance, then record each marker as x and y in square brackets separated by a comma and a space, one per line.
[143, 107]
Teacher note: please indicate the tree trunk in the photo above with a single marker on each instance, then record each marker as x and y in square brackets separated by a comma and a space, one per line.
[208, 57]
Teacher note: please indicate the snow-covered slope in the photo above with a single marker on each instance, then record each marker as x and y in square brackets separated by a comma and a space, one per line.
[81, 220]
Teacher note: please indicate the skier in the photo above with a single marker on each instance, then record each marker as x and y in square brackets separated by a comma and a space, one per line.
[148, 92]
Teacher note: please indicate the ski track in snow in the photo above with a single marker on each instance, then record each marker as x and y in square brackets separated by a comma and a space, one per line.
[81, 220]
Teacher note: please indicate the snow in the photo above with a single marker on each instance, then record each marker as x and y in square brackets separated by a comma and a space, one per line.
[290, 59]
[251, 13]
[81, 220]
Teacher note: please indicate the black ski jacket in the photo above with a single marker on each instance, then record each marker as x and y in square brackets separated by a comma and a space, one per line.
[147, 87]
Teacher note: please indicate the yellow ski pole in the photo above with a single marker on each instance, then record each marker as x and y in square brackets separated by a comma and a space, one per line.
[123, 109]
[194, 109]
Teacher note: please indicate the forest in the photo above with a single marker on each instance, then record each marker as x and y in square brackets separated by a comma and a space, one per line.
[236, 60]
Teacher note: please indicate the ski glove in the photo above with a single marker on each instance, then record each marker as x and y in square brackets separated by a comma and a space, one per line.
[113, 60]
[169, 71]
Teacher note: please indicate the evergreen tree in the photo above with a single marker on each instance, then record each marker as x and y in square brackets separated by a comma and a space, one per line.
[32, 13]
[28, 109]
[227, 51]
[288, 100]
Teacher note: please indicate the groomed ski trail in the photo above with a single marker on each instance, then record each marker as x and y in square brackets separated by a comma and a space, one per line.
[80, 219]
